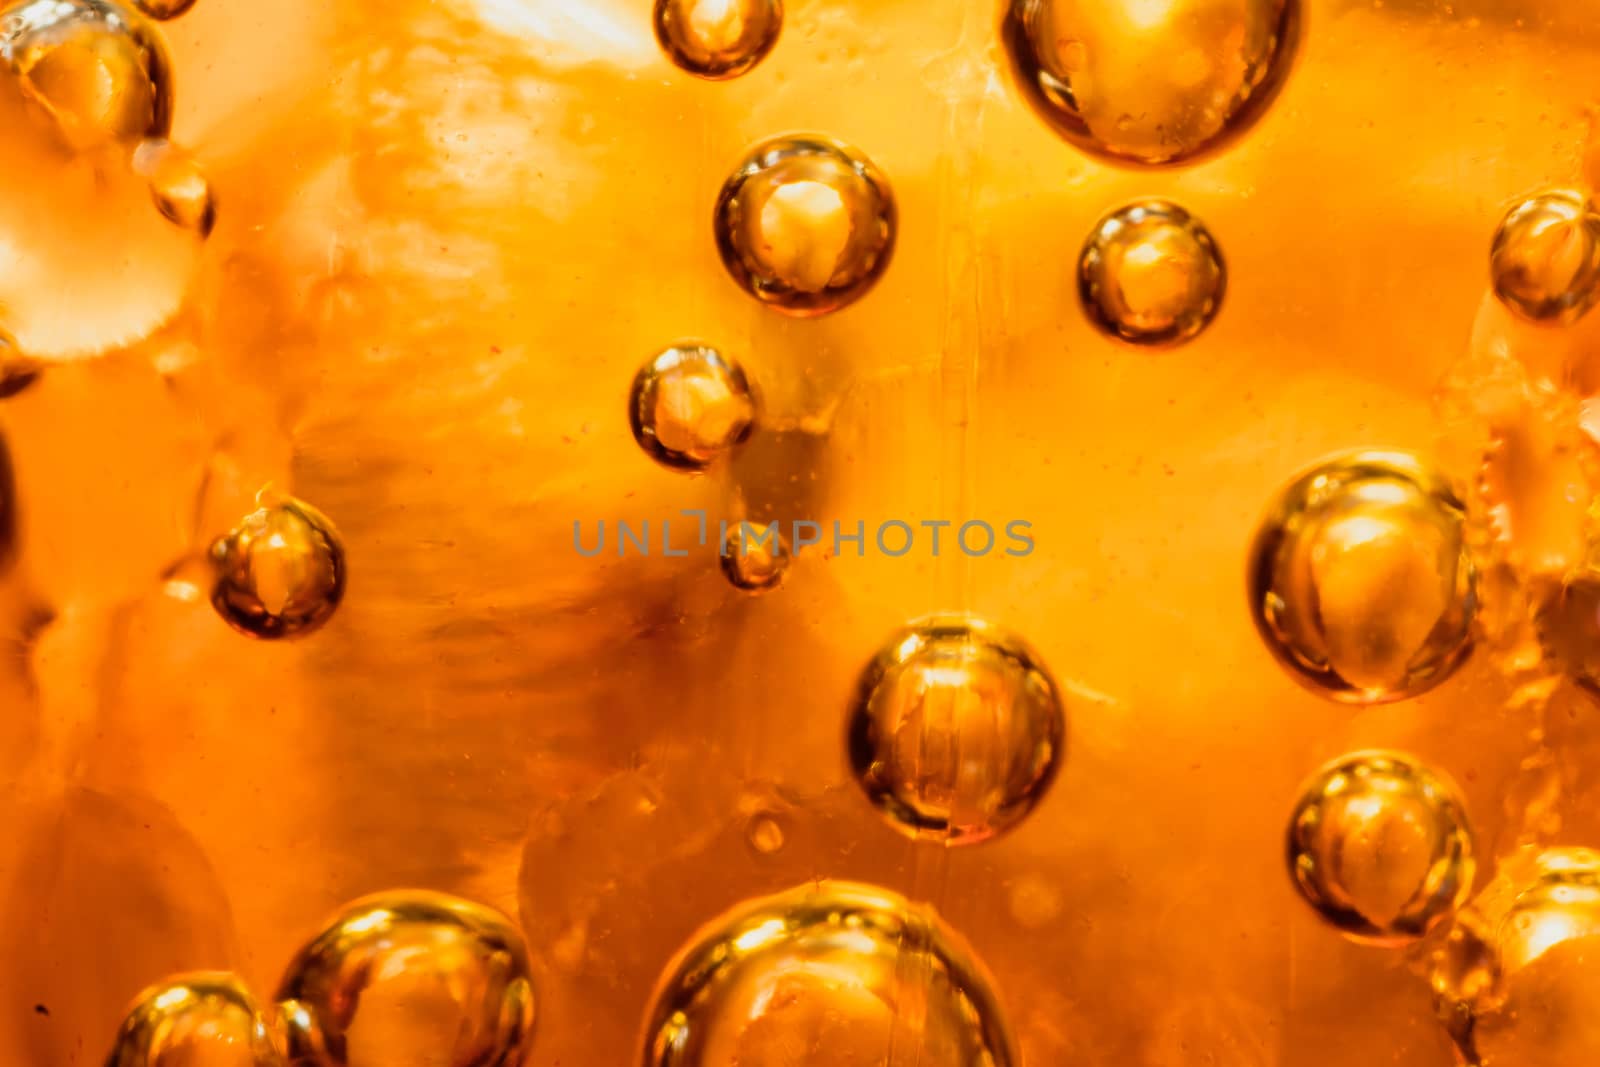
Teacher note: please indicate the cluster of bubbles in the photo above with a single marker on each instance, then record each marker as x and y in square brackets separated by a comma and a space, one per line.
[1362, 586]
[410, 976]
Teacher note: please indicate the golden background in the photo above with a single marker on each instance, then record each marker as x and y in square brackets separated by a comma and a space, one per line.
[449, 232]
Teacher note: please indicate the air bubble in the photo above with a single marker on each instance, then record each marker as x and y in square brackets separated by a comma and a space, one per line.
[755, 556]
[718, 39]
[831, 972]
[1151, 273]
[1379, 845]
[957, 730]
[690, 406]
[177, 186]
[1150, 82]
[1359, 578]
[100, 70]
[806, 224]
[412, 977]
[280, 572]
[1518, 980]
[208, 1018]
[1545, 261]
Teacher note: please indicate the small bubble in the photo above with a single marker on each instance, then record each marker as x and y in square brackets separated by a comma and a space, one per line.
[164, 9]
[765, 834]
[100, 70]
[1150, 82]
[718, 39]
[410, 977]
[1379, 845]
[957, 730]
[177, 185]
[830, 972]
[1518, 977]
[1359, 578]
[689, 406]
[1150, 273]
[195, 1018]
[1545, 261]
[755, 557]
[805, 224]
[280, 572]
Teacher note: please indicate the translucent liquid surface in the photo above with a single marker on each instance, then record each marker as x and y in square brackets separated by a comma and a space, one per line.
[1151, 273]
[830, 973]
[1379, 845]
[410, 979]
[1150, 81]
[806, 224]
[1360, 582]
[957, 730]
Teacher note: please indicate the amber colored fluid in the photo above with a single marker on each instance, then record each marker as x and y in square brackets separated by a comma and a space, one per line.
[452, 231]
[164, 9]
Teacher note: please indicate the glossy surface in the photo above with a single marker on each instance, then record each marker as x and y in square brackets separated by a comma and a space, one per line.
[164, 9]
[195, 1019]
[1360, 582]
[826, 972]
[690, 406]
[280, 572]
[718, 39]
[450, 233]
[1151, 273]
[755, 556]
[957, 730]
[1150, 82]
[421, 976]
[98, 69]
[1380, 846]
[806, 224]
